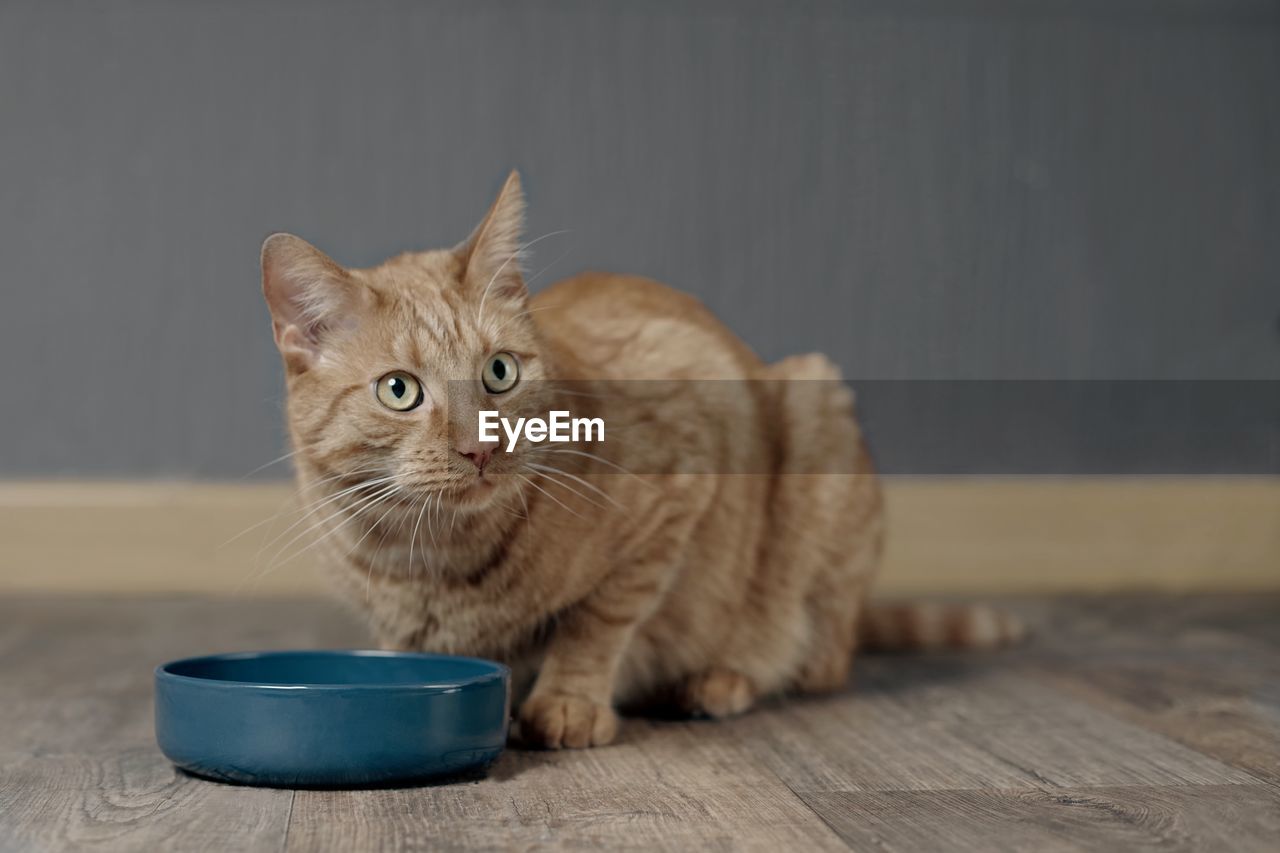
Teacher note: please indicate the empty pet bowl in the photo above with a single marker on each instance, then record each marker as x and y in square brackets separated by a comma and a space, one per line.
[331, 718]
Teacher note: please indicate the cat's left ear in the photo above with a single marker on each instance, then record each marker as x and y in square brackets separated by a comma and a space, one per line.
[491, 255]
[310, 295]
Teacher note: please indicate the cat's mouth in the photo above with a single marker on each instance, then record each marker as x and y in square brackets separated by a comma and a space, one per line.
[480, 485]
[477, 489]
[472, 492]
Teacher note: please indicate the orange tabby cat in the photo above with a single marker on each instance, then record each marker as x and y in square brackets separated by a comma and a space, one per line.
[711, 550]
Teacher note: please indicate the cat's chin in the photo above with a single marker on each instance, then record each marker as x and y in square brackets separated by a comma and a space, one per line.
[478, 493]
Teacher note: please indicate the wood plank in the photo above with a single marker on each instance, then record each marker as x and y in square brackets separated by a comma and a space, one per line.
[664, 786]
[1188, 706]
[1201, 671]
[78, 695]
[1194, 622]
[967, 535]
[862, 741]
[968, 721]
[1218, 817]
[626, 815]
[1128, 722]
[78, 672]
[78, 760]
[132, 799]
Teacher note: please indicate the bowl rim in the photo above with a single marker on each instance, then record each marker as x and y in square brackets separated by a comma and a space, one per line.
[491, 670]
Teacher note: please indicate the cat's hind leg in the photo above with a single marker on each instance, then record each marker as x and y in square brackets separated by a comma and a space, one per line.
[718, 692]
[836, 602]
[826, 516]
[835, 616]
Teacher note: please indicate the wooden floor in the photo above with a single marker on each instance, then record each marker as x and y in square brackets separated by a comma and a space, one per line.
[1128, 723]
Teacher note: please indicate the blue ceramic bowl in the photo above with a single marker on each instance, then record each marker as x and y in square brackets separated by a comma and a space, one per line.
[331, 718]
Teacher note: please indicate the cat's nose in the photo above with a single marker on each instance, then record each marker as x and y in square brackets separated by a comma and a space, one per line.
[479, 456]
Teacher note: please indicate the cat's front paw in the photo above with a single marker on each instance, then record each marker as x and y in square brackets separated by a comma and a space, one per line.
[556, 720]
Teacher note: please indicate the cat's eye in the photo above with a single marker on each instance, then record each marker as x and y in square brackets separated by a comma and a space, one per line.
[501, 372]
[399, 391]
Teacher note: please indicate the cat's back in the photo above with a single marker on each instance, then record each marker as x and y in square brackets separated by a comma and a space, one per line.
[633, 327]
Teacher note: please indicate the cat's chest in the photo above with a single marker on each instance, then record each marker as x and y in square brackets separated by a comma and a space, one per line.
[451, 617]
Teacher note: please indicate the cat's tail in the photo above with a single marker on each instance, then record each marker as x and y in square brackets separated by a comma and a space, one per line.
[936, 626]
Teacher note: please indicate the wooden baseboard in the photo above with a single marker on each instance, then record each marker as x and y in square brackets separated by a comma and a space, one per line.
[1039, 535]
[947, 536]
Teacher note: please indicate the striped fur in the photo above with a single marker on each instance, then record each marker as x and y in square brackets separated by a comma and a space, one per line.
[936, 626]
[598, 587]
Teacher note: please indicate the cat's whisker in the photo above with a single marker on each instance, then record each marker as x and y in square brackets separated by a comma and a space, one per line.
[318, 505]
[513, 256]
[528, 281]
[374, 526]
[436, 514]
[358, 507]
[511, 512]
[413, 538]
[323, 496]
[278, 564]
[342, 511]
[601, 459]
[553, 474]
[494, 333]
[553, 498]
[368, 585]
[342, 475]
[368, 504]
[283, 505]
[275, 461]
[551, 478]
[274, 516]
[557, 259]
[552, 470]
[524, 502]
[508, 506]
[428, 507]
[571, 393]
[251, 528]
[405, 520]
[381, 540]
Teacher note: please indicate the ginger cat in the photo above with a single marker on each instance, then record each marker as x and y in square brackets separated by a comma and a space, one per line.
[707, 566]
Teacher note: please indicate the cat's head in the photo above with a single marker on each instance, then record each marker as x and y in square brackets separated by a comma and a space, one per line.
[388, 367]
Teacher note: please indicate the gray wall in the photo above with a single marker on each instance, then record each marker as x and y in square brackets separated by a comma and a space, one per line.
[924, 190]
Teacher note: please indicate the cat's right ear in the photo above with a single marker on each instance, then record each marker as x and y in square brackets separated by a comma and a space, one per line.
[491, 255]
[309, 295]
